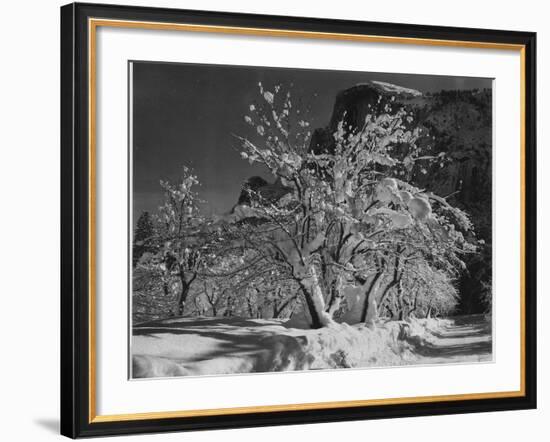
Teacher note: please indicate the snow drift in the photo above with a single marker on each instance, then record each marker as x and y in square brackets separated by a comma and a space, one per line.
[213, 346]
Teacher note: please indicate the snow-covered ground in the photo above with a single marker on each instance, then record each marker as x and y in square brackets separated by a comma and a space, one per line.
[208, 346]
[463, 339]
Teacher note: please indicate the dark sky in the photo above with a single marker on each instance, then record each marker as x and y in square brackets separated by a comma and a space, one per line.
[187, 113]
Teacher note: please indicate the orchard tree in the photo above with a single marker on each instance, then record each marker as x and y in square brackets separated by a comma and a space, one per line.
[180, 241]
[210, 300]
[348, 213]
[421, 291]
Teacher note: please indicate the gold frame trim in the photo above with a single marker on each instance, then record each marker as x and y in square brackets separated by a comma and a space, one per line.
[93, 24]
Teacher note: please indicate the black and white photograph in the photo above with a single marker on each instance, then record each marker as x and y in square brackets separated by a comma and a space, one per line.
[288, 219]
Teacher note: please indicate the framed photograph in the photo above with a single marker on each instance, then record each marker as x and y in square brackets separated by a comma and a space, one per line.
[279, 220]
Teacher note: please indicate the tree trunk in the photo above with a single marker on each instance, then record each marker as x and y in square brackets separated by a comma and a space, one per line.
[403, 305]
[336, 297]
[386, 291]
[229, 302]
[368, 301]
[414, 305]
[184, 291]
[182, 298]
[315, 301]
[278, 309]
[397, 275]
[250, 308]
[429, 310]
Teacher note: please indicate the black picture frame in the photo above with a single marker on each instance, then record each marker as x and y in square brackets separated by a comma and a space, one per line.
[76, 418]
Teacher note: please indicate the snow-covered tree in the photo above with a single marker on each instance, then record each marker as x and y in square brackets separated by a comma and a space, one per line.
[347, 213]
[179, 242]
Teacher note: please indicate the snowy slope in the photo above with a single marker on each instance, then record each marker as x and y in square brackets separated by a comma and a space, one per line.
[395, 89]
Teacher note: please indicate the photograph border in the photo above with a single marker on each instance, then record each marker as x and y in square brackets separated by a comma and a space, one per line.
[79, 24]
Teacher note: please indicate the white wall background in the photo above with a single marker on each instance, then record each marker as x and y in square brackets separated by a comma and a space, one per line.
[29, 219]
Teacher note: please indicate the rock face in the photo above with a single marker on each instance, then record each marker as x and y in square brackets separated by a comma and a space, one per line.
[258, 188]
[354, 104]
[253, 184]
